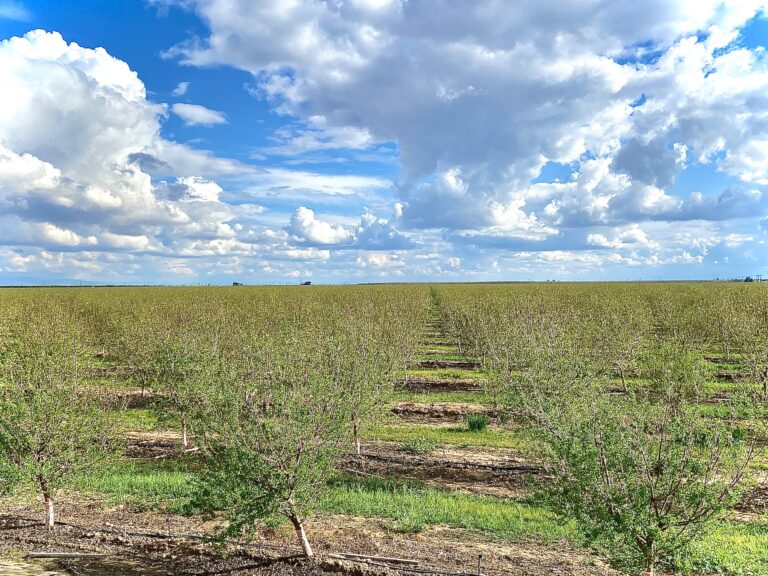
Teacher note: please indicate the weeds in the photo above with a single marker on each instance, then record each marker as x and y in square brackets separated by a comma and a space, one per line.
[476, 422]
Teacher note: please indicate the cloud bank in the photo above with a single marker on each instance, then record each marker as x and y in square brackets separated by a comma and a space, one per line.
[558, 139]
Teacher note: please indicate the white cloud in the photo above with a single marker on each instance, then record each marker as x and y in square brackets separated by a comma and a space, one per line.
[371, 233]
[478, 104]
[308, 254]
[297, 184]
[632, 236]
[125, 241]
[181, 89]
[25, 172]
[72, 170]
[479, 98]
[179, 267]
[196, 115]
[200, 189]
[11, 10]
[377, 233]
[316, 135]
[380, 261]
[735, 239]
[305, 227]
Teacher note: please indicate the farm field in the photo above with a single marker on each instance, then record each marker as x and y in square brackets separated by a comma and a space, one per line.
[533, 428]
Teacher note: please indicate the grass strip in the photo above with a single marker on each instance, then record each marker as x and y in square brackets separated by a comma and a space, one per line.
[458, 436]
[412, 508]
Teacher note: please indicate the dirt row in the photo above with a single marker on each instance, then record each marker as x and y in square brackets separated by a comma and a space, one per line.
[441, 411]
[143, 543]
[436, 385]
[501, 474]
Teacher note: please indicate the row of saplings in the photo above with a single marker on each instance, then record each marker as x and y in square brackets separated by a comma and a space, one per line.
[642, 474]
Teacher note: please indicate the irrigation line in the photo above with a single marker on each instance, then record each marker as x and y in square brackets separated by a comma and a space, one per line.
[161, 535]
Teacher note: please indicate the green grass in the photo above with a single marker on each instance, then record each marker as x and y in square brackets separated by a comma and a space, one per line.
[739, 549]
[433, 397]
[725, 411]
[141, 485]
[431, 344]
[139, 419]
[441, 355]
[731, 548]
[476, 422]
[419, 446]
[445, 374]
[725, 386]
[412, 508]
[452, 436]
[430, 340]
[708, 388]
[153, 486]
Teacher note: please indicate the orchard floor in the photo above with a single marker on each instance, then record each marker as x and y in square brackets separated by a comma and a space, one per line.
[88, 527]
[424, 441]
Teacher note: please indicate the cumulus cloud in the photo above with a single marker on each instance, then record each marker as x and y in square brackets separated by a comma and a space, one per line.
[76, 172]
[305, 227]
[377, 233]
[650, 162]
[478, 106]
[371, 233]
[480, 100]
[196, 115]
[632, 236]
[200, 189]
[25, 172]
[380, 261]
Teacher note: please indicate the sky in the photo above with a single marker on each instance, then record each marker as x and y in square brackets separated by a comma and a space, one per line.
[344, 141]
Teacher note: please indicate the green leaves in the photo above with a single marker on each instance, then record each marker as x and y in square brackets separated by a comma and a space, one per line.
[274, 412]
[614, 378]
[51, 424]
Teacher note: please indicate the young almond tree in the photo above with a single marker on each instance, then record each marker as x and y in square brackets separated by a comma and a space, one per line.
[644, 477]
[361, 360]
[51, 425]
[270, 438]
[136, 333]
[751, 325]
[615, 334]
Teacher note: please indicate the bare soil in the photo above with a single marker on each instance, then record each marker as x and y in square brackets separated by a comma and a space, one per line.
[438, 364]
[443, 411]
[437, 385]
[154, 544]
[729, 376]
[499, 472]
[721, 360]
[152, 444]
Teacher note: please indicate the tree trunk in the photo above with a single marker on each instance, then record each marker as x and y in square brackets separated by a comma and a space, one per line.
[184, 439]
[650, 560]
[301, 535]
[50, 516]
[356, 435]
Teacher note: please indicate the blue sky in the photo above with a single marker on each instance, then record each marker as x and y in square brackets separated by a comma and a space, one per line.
[212, 141]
